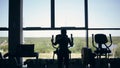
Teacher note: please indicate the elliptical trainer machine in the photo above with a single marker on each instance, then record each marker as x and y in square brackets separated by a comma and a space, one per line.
[101, 40]
[88, 57]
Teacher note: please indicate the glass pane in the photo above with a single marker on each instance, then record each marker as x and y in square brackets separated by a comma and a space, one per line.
[43, 45]
[69, 13]
[36, 13]
[3, 13]
[104, 13]
[3, 42]
[41, 40]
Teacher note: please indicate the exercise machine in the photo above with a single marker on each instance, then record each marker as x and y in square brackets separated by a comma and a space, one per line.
[101, 49]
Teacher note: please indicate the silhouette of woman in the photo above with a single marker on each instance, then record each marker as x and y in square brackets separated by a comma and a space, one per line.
[63, 51]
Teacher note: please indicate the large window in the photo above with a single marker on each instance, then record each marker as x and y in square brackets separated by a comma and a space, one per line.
[71, 13]
[102, 14]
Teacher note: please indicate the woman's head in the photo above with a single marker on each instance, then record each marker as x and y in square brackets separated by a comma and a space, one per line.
[63, 31]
